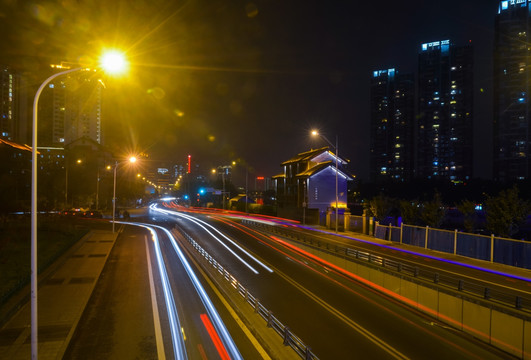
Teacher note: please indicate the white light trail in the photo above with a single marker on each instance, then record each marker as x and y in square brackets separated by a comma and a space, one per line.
[212, 312]
[177, 339]
[199, 222]
[170, 304]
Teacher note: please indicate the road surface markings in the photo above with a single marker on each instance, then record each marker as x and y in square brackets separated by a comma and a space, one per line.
[154, 305]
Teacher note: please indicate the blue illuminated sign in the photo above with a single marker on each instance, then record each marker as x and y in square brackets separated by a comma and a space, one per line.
[504, 5]
[435, 45]
[389, 72]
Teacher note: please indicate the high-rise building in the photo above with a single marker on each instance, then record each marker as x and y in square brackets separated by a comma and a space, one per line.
[512, 117]
[445, 118]
[392, 125]
[14, 124]
[70, 109]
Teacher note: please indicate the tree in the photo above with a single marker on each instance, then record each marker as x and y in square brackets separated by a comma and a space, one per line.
[381, 206]
[505, 212]
[433, 212]
[409, 211]
[468, 209]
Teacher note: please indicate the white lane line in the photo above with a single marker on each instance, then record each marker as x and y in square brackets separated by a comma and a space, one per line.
[158, 331]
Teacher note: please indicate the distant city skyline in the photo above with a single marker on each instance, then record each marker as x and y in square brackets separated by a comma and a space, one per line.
[220, 82]
[512, 116]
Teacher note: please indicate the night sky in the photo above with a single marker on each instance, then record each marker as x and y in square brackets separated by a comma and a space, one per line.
[224, 80]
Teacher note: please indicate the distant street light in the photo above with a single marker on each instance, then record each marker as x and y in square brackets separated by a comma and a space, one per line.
[131, 160]
[223, 169]
[78, 161]
[109, 62]
[316, 133]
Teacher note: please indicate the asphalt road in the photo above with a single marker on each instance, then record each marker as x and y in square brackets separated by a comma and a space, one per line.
[120, 321]
[337, 317]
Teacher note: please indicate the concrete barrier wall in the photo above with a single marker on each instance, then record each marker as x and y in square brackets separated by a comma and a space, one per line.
[504, 330]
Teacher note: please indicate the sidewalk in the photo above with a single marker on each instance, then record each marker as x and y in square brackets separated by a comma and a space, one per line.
[63, 292]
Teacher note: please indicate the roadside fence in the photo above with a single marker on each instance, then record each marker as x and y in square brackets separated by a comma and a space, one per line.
[489, 248]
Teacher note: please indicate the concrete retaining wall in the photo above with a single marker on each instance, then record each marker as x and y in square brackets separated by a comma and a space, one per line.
[505, 329]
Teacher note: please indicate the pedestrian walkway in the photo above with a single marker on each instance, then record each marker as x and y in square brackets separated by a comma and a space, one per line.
[64, 291]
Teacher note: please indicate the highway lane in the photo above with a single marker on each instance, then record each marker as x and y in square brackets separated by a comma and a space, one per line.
[150, 303]
[476, 275]
[331, 313]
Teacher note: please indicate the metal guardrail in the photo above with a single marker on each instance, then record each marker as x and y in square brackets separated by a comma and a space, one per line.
[288, 337]
[436, 279]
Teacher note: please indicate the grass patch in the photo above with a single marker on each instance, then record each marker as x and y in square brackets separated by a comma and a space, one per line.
[55, 235]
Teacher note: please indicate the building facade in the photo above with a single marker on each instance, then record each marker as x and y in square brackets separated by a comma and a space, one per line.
[70, 108]
[14, 121]
[308, 181]
[392, 125]
[445, 112]
[512, 118]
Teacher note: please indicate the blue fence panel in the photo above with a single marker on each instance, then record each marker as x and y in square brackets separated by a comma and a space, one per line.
[395, 234]
[380, 232]
[415, 236]
[441, 240]
[322, 218]
[356, 224]
[473, 246]
[513, 253]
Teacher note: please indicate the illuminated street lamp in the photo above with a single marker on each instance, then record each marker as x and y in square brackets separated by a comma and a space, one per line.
[111, 63]
[131, 160]
[316, 133]
[78, 161]
[223, 169]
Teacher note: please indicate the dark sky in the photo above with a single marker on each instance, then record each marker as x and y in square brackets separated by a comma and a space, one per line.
[222, 80]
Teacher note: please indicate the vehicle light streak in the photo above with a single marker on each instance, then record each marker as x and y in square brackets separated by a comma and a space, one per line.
[215, 338]
[420, 254]
[175, 326]
[218, 324]
[200, 222]
[211, 310]
[401, 298]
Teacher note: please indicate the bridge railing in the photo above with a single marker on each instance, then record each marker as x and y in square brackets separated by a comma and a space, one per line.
[477, 306]
[489, 248]
[455, 283]
[289, 339]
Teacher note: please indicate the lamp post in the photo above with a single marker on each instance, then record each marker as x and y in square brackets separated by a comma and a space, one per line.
[78, 161]
[112, 62]
[132, 159]
[223, 169]
[316, 133]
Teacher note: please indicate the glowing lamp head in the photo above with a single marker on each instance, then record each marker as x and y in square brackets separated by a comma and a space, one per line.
[113, 63]
[315, 133]
[132, 159]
